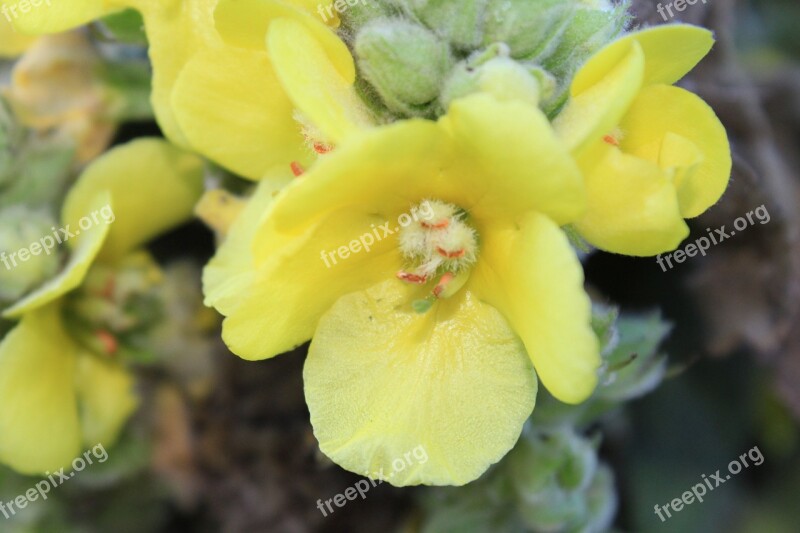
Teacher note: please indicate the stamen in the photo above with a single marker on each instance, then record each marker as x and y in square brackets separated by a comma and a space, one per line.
[442, 224]
[610, 139]
[410, 277]
[322, 148]
[451, 255]
[297, 170]
[443, 283]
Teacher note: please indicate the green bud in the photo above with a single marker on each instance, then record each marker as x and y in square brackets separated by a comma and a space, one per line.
[501, 77]
[459, 22]
[405, 63]
[580, 465]
[601, 500]
[530, 28]
[25, 260]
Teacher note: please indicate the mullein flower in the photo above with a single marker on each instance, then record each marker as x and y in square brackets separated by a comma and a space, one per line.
[62, 382]
[429, 335]
[215, 89]
[652, 154]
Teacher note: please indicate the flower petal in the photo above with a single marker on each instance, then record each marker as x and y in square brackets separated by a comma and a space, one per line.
[432, 398]
[608, 85]
[670, 52]
[494, 159]
[301, 279]
[106, 398]
[660, 110]
[313, 83]
[633, 207]
[12, 43]
[245, 23]
[153, 187]
[39, 426]
[175, 32]
[81, 259]
[232, 108]
[509, 156]
[231, 271]
[531, 275]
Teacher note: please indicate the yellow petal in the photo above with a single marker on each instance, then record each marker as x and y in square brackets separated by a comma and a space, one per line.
[153, 187]
[600, 95]
[245, 23]
[39, 427]
[232, 109]
[432, 398]
[633, 207]
[508, 155]
[660, 110]
[302, 276]
[106, 398]
[54, 16]
[176, 30]
[231, 271]
[81, 259]
[312, 81]
[531, 275]
[670, 52]
[12, 42]
[493, 159]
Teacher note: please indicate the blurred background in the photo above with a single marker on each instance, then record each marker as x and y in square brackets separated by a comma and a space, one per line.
[225, 445]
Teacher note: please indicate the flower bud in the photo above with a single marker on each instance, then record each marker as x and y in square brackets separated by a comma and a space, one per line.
[501, 77]
[27, 258]
[405, 63]
[530, 29]
[459, 22]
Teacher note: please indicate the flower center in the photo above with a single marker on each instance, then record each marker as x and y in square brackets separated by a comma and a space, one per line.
[439, 245]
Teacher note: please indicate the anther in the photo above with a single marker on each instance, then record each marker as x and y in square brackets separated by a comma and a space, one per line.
[410, 277]
[297, 170]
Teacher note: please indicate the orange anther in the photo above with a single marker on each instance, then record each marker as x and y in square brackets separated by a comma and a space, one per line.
[297, 170]
[443, 283]
[322, 148]
[411, 277]
[451, 255]
[610, 139]
[436, 225]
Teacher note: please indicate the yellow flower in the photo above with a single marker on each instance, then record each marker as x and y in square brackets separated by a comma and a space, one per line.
[483, 191]
[215, 88]
[56, 395]
[652, 154]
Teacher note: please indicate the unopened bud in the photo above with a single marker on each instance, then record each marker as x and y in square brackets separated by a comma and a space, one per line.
[406, 64]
